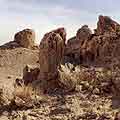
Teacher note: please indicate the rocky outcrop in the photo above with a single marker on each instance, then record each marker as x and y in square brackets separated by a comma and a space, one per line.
[61, 32]
[25, 38]
[75, 44]
[102, 47]
[106, 24]
[51, 53]
[84, 33]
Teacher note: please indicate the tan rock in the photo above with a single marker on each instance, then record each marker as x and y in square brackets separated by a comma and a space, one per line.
[106, 24]
[99, 48]
[84, 33]
[61, 32]
[30, 74]
[51, 54]
[75, 44]
[25, 38]
[117, 116]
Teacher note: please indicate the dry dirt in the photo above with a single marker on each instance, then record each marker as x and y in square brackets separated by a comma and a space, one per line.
[12, 62]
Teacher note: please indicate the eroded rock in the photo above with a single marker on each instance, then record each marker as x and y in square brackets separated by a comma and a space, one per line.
[61, 32]
[75, 44]
[84, 33]
[51, 53]
[25, 38]
[101, 48]
[30, 74]
[106, 24]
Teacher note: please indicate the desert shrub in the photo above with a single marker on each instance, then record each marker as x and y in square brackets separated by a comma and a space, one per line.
[1, 97]
[96, 81]
[27, 96]
[4, 99]
[67, 81]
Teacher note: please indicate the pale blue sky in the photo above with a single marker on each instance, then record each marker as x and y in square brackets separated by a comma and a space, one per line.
[46, 15]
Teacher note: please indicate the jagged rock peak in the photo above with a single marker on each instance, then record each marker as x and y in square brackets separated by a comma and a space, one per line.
[106, 24]
[61, 31]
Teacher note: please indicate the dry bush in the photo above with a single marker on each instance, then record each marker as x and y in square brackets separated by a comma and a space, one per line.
[27, 96]
[4, 98]
[1, 97]
[93, 80]
[83, 76]
[24, 92]
[67, 81]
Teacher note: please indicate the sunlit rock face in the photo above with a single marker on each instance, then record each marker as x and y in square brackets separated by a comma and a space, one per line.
[106, 24]
[51, 53]
[25, 38]
[101, 48]
[75, 44]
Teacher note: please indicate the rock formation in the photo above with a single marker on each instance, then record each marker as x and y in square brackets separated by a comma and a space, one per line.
[106, 24]
[84, 33]
[100, 47]
[51, 53]
[61, 32]
[25, 38]
[75, 44]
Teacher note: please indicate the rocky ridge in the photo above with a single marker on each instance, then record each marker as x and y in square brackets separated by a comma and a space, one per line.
[99, 48]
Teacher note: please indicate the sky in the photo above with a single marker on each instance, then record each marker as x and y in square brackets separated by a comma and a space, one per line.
[45, 15]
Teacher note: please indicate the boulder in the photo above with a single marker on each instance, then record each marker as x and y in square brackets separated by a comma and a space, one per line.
[51, 53]
[30, 74]
[117, 116]
[25, 38]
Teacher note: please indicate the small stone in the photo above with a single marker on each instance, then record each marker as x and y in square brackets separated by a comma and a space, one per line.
[96, 91]
[117, 116]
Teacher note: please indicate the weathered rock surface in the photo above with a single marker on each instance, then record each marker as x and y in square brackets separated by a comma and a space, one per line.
[30, 74]
[10, 45]
[106, 24]
[61, 32]
[25, 38]
[101, 47]
[76, 43]
[117, 117]
[84, 33]
[51, 54]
